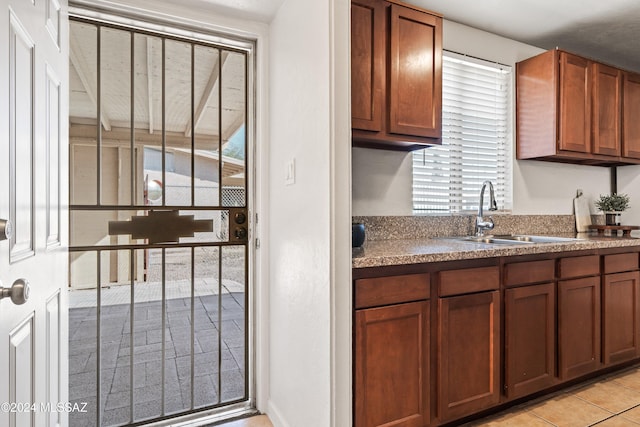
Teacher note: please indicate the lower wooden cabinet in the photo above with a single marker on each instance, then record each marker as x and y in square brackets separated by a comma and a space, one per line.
[621, 314]
[391, 377]
[468, 354]
[431, 346]
[578, 327]
[530, 324]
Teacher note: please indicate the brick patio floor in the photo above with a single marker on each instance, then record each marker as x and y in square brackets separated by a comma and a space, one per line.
[147, 343]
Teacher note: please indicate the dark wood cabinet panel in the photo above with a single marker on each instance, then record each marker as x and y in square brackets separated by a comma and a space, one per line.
[619, 263]
[468, 280]
[468, 354]
[578, 327]
[621, 314]
[380, 291]
[391, 378]
[368, 40]
[530, 324]
[414, 105]
[607, 93]
[631, 112]
[396, 75]
[575, 104]
[578, 266]
[521, 273]
[536, 106]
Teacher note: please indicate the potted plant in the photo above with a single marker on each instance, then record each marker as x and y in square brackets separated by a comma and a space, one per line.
[612, 206]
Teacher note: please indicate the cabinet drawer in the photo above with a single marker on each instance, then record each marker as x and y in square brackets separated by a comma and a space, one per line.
[391, 290]
[468, 280]
[522, 273]
[620, 262]
[579, 266]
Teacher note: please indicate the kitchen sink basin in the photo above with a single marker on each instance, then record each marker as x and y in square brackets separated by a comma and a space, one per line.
[536, 239]
[487, 239]
[510, 239]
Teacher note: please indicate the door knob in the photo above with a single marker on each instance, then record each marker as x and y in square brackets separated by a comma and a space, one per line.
[6, 229]
[18, 292]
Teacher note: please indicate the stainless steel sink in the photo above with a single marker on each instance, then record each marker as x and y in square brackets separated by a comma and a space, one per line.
[515, 239]
[488, 239]
[536, 239]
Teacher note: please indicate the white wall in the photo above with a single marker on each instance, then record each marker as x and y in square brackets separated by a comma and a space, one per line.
[629, 183]
[538, 187]
[299, 223]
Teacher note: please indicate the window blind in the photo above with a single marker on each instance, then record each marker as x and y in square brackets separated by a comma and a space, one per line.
[476, 139]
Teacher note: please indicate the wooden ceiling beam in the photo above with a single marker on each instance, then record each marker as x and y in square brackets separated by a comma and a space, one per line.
[214, 79]
[83, 74]
[122, 134]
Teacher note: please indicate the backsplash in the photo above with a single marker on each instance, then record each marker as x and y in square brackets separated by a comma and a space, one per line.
[420, 227]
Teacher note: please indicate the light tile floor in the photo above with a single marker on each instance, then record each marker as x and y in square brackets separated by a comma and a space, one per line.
[611, 401]
[257, 421]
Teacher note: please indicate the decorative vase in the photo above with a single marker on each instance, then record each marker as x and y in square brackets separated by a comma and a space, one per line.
[612, 217]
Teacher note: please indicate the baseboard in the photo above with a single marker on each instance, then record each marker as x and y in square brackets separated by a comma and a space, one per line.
[275, 415]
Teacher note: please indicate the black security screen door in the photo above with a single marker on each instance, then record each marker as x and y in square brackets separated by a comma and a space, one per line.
[159, 224]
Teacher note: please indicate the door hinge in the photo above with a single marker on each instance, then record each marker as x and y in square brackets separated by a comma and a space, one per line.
[257, 243]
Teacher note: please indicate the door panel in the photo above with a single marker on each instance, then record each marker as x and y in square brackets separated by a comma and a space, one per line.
[468, 354]
[53, 357]
[607, 91]
[575, 104]
[415, 84]
[52, 133]
[33, 155]
[22, 372]
[620, 314]
[578, 326]
[631, 112]
[21, 85]
[530, 338]
[367, 64]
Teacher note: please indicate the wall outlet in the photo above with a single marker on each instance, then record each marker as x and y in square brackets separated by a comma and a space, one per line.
[290, 173]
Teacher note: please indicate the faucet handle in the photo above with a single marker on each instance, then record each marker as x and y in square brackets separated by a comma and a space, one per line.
[489, 224]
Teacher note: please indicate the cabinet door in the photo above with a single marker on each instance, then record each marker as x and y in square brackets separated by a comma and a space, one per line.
[631, 113]
[620, 300]
[367, 64]
[530, 322]
[468, 354]
[415, 91]
[578, 326]
[606, 118]
[392, 366]
[575, 104]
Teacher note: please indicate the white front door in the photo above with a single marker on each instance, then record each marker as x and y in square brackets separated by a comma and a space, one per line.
[34, 198]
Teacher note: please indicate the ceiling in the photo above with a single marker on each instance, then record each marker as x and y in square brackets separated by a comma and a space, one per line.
[605, 30]
[208, 89]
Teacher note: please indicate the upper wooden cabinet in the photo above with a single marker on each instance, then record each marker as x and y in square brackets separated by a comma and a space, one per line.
[630, 114]
[572, 109]
[396, 75]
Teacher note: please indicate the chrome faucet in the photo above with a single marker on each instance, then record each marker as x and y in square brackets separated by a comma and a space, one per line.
[481, 224]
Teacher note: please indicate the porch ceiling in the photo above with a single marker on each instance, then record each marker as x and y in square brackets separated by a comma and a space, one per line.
[115, 92]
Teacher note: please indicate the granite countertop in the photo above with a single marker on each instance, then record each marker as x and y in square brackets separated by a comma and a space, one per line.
[380, 253]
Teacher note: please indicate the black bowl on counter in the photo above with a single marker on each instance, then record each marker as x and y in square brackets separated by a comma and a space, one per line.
[357, 234]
